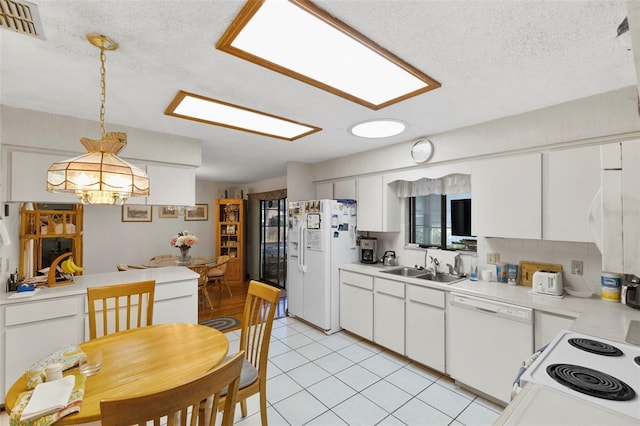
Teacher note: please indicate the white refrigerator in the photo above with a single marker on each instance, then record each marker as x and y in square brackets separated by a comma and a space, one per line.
[322, 236]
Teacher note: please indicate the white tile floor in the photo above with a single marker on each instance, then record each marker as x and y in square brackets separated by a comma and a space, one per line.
[315, 379]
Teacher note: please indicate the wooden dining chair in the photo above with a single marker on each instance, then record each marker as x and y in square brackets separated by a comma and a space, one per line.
[135, 299]
[217, 274]
[257, 322]
[202, 270]
[176, 406]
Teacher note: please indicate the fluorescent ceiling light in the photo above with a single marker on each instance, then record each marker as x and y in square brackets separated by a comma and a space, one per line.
[298, 39]
[219, 113]
[378, 128]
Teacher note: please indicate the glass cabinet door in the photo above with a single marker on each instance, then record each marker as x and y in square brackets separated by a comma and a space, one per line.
[273, 237]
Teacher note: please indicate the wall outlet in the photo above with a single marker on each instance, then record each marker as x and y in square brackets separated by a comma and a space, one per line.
[576, 267]
[493, 258]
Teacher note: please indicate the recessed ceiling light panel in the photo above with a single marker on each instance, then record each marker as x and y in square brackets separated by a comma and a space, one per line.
[219, 113]
[300, 40]
[378, 128]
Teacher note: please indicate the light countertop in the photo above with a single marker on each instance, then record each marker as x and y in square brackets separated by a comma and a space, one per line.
[594, 316]
[81, 282]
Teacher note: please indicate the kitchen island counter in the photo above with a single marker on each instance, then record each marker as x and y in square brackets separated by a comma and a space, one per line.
[35, 326]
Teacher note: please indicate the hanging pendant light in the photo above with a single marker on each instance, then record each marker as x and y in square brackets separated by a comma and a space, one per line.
[99, 176]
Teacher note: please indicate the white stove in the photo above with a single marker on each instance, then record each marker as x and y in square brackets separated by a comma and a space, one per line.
[600, 371]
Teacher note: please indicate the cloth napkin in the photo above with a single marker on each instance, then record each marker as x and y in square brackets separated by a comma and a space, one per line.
[47, 407]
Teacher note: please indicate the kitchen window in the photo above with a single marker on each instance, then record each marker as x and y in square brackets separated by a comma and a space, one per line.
[430, 222]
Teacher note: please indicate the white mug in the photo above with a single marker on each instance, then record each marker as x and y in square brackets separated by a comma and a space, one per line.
[488, 275]
[53, 371]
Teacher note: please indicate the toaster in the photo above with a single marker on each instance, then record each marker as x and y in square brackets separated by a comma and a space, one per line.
[547, 282]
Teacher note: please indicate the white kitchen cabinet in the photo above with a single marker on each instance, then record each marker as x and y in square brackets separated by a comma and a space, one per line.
[546, 327]
[27, 174]
[324, 191]
[27, 177]
[425, 326]
[571, 178]
[388, 314]
[356, 303]
[507, 197]
[631, 205]
[33, 330]
[620, 195]
[378, 205]
[344, 189]
[171, 185]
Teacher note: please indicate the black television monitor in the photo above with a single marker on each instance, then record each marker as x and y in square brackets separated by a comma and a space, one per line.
[461, 217]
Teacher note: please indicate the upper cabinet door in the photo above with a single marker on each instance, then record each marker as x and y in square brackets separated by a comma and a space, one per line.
[344, 189]
[631, 204]
[27, 178]
[171, 185]
[507, 197]
[378, 205]
[571, 178]
[324, 191]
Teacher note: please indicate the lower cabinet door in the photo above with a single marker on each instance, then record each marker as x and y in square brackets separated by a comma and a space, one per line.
[388, 322]
[28, 343]
[356, 310]
[425, 335]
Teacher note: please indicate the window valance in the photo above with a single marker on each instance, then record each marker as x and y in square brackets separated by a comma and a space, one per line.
[451, 184]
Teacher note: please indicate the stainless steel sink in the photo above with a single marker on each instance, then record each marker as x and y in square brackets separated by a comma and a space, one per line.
[440, 277]
[404, 271]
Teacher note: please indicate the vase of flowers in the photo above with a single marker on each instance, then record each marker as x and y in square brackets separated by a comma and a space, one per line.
[184, 240]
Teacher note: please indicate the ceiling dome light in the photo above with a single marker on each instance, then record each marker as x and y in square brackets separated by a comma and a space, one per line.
[378, 128]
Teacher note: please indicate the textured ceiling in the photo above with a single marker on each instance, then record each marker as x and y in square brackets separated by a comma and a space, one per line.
[493, 58]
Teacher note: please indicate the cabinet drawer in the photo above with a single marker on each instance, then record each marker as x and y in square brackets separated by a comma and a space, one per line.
[426, 295]
[357, 280]
[24, 313]
[390, 287]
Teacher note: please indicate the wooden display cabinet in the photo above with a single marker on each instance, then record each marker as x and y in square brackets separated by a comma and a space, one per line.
[47, 231]
[230, 236]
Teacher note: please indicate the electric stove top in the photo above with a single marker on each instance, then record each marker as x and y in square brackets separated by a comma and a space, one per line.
[600, 371]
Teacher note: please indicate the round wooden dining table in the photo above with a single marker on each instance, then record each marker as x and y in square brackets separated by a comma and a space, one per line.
[195, 261]
[141, 361]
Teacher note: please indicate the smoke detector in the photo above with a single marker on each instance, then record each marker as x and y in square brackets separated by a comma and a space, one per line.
[22, 17]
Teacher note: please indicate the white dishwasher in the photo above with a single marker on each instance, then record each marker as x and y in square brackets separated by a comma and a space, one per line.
[487, 342]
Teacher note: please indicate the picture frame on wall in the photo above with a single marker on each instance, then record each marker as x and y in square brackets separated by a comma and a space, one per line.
[167, 212]
[199, 212]
[136, 213]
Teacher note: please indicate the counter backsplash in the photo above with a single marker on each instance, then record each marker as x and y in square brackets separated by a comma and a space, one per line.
[513, 251]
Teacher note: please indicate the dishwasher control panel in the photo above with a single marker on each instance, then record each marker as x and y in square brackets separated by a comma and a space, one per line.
[492, 307]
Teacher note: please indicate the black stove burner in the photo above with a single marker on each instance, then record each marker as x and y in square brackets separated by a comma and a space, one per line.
[595, 347]
[637, 360]
[591, 382]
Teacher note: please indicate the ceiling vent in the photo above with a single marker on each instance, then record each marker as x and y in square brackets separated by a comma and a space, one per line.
[22, 17]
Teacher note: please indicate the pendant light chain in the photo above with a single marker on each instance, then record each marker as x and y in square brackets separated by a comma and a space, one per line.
[103, 89]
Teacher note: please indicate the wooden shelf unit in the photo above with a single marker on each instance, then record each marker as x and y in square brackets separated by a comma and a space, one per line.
[230, 224]
[39, 224]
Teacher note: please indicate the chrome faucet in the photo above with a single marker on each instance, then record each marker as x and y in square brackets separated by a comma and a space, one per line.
[452, 270]
[434, 261]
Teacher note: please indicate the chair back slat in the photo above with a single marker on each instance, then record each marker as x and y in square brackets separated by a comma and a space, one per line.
[107, 302]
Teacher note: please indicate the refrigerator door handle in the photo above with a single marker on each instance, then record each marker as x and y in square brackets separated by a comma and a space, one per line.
[302, 262]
